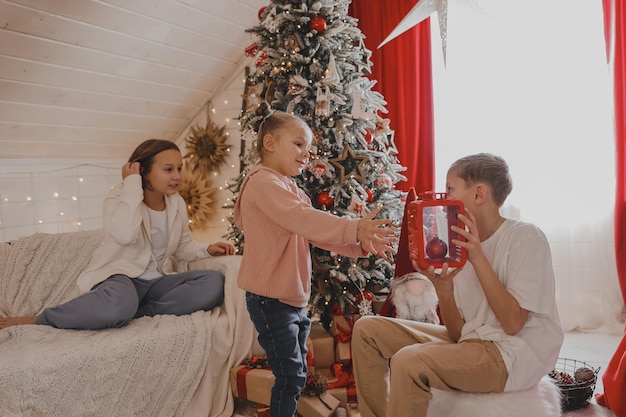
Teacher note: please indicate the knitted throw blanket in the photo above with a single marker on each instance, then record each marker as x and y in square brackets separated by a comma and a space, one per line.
[152, 367]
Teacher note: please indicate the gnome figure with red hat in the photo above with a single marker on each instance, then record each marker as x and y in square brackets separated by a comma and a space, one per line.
[413, 295]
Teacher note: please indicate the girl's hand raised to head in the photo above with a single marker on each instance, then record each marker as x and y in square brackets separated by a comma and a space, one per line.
[221, 248]
[130, 168]
[375, 235]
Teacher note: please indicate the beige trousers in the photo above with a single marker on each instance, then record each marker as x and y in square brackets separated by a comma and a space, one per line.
[396, 363]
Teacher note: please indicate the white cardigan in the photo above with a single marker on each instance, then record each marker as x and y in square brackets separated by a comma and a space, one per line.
[126, 248]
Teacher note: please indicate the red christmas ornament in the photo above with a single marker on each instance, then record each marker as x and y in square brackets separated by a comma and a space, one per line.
[252, 50]
[262, 12]
[368, 137]
[318, 23]
[262, 59]
[365, 295]
[436, 248]
[370, 195]
[324, 199]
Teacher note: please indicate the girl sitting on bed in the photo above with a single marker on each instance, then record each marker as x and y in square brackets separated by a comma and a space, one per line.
[145, 224]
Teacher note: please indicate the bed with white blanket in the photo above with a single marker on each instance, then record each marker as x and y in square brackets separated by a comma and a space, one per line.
[156, 366]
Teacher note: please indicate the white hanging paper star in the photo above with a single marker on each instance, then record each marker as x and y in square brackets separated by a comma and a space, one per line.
[420, 12]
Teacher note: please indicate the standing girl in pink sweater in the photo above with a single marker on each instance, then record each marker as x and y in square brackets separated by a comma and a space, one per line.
[279, 223]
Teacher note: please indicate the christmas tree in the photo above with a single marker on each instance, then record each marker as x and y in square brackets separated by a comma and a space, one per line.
[311, 61]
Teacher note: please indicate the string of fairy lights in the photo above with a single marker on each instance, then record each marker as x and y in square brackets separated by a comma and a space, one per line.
[44, 197]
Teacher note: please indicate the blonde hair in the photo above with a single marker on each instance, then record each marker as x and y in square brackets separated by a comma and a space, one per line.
[271, 122]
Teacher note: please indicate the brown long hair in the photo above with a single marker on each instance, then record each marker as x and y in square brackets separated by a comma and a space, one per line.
[145, 153]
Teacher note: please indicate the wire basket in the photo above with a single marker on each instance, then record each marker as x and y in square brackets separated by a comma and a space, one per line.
[576, 394]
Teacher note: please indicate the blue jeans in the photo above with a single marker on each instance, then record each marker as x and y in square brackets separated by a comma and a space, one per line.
[283, 330]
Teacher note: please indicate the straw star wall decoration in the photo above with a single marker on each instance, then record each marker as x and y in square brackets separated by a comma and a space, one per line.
[207, 147]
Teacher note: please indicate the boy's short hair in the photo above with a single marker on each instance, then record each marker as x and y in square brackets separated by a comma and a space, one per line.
[488, 169]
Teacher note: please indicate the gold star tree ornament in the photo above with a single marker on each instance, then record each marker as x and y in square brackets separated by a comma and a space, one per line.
[350, 165]
[197, 191]
[207, 147]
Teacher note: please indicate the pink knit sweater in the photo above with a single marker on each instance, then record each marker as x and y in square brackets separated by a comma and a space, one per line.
[279, 222]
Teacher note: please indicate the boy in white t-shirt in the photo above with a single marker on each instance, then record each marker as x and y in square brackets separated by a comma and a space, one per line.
[501, 327]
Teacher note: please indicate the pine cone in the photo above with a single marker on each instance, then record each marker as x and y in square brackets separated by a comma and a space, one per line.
[584, 374]
[564, 378]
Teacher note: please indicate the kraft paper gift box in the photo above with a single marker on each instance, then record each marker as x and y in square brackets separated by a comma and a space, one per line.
[312, 406]
[252, 384]
[341, 326]
[341, 329]
[323, 346]
[343, 353]
[256, 385]
[345, 395]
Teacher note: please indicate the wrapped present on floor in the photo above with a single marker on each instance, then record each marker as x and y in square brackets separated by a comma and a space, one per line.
[252, 384]
[345, 395]
[341, 329]
[343, 353]
[322, 405]
[255, 384]
[323, 346]
[343, 387]
[341, 326]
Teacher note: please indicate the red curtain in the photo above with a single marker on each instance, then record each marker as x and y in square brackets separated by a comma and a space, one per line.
[403, 71]
[616, 17]
[614, 376]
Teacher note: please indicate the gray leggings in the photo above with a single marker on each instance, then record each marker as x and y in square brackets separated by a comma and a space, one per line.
[119, 299]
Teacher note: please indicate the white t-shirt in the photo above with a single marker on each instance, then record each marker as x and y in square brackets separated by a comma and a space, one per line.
[159, 238]
[520, 255]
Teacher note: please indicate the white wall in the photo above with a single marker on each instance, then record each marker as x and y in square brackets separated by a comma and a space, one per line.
[226, 107]
[52, 196]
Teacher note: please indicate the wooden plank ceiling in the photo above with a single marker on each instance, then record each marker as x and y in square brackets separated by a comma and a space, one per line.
[92, 78]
